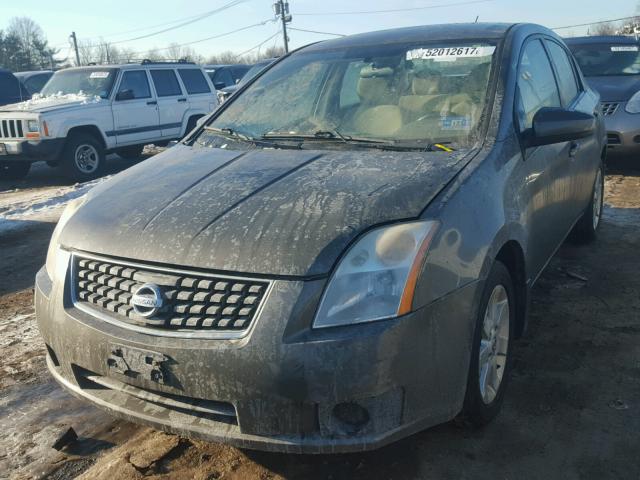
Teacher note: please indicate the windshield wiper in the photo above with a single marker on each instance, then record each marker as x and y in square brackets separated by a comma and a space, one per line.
[229, 133]
[322, 135]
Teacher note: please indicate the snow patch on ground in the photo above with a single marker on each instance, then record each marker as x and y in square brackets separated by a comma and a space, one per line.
[20, 207]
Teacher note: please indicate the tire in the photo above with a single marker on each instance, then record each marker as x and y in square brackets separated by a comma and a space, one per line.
[14, 170]
[586, 229]
[131, 153]
[83, 157]
[489, 375]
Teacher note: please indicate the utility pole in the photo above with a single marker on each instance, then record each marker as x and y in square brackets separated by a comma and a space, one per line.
[282, 8]
[75, 47]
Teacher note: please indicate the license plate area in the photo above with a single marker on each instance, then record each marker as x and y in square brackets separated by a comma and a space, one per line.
[138, 364]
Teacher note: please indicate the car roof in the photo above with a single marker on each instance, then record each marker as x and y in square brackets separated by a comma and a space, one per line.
[444, 32]
[225, 65]
[597, 39]
[31, 73]
[136, 66]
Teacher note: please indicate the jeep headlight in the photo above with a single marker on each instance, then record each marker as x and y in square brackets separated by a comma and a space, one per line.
[57, 258]
[633, 105]
[376, 279]
[33, 126]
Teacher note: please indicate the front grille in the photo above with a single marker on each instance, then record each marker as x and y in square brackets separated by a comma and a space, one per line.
[11, 129]
[609, 108]
[613, 139]
[192, 301]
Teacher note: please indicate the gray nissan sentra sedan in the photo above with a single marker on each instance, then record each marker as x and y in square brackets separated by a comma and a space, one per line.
[339, 256]
[611, 65]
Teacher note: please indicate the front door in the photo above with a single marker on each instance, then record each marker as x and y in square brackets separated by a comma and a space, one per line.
[548, 169]
[172, 101]
[135, 110]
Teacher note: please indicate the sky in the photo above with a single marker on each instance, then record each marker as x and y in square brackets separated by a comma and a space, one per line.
[123, 20]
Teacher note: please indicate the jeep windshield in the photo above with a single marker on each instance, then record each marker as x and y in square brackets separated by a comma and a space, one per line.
[83, 81]
[400, 95]
[607, 59]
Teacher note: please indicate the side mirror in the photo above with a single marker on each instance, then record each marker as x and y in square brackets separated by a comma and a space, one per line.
[125, 95]
[556, 125]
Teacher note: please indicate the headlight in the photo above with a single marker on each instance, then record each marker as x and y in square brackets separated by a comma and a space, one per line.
[377, 277]
[633, 105]
[56, 258]
[33, 126]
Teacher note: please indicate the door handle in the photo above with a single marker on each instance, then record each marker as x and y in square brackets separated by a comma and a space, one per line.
[153, 102]
[573, 149]
[182, 99]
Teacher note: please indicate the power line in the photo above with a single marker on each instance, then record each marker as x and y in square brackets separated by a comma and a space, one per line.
[595, 23]
[316, 31]
[364, 12]
[260, 44]
[220, 35]
[226, 6]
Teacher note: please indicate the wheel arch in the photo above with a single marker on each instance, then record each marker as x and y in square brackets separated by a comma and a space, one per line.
[88, 129]
[511, 254]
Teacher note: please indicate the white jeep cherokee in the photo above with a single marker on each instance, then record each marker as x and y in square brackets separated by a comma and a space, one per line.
[84, 113]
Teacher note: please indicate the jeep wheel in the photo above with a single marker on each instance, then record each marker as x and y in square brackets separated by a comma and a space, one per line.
[83, 157]
[131, 153]
[14, 170]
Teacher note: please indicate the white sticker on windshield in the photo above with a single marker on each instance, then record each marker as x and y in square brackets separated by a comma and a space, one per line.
[625, 48]
[449, 53]
[99, 75]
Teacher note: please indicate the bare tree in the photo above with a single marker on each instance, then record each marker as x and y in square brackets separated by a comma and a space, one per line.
[609, 28]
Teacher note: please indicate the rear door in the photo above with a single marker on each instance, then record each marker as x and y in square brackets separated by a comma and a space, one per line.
[547, 167]
[200, 97]
[135, 119]
[172, 101]
[584, 154]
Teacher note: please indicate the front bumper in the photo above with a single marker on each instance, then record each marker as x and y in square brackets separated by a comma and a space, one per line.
[623, 131]
[30, 151]
[277, 388]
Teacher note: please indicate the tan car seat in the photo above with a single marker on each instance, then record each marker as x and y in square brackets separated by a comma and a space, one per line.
[378, 114]
[424, 90]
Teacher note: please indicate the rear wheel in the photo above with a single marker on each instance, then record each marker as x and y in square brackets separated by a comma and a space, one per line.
[83, 157]
[131, 153]
[587, 227]
[492, 348]
[14, 170]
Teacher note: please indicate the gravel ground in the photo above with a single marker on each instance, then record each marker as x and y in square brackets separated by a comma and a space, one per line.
[572, 410]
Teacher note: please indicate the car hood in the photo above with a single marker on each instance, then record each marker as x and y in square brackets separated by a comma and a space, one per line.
[275, 212]
[53, 102]
[618, 88]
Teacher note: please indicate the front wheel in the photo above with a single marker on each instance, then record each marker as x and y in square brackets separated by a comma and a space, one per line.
[587, 227]
[492, 348]
[83, 157]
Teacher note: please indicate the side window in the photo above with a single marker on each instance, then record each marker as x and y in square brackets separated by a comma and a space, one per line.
[194, 81]
[536, 83]
[166, 83]
[136, 81]
[222, 78]
[566, 75]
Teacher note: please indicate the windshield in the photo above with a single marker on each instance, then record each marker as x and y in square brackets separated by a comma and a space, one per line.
[606, 59]
[393, 93]
[86, 81]
[253, 71]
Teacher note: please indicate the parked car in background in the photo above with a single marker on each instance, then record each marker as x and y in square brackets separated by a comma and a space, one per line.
[340, 255]
[35, 80]
[84, 113]
[611, 65]
[255, 69]
[11, 90]
[226, 75]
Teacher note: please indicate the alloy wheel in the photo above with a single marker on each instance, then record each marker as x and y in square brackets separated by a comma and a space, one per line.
[597, 200]
[86, 158]
[494, 343]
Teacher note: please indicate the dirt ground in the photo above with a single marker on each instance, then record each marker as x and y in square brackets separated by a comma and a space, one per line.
[572, 409]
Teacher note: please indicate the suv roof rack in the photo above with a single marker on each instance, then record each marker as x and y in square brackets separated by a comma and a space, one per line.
[146, 61]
